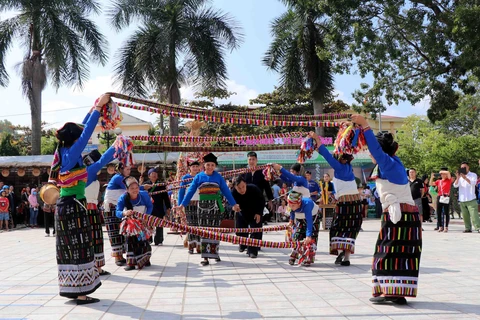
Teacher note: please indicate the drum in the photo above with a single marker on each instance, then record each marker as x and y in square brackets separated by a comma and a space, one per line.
[49, 194]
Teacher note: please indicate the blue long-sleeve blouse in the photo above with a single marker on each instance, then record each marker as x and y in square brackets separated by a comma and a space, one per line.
[390, 168]
[181, 192]
[306, 208]
[202, 177]
[298, 181]
[143, 199]
[341, 171]
[92, 169]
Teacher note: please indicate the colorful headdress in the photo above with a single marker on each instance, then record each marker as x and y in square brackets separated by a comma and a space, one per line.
[294, 198]
[130, 180]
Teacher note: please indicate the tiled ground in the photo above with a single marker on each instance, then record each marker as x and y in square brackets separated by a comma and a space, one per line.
[178, 287]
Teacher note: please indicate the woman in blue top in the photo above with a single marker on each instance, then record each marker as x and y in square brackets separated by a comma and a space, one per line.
[347, 220]
[396, 260]
[211, 186]
[138, 251]
[191, 209]
[304, 218]
[295, 176]
[77, 274]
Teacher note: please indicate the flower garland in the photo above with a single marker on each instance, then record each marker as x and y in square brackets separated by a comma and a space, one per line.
[164, 148]
[307, 148]
[190, 139]
[350, 139]
[245, 116]
[153, 221]
[124, 150]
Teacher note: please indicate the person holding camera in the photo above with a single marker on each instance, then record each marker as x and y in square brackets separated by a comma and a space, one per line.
[443, 199]
[466, 183]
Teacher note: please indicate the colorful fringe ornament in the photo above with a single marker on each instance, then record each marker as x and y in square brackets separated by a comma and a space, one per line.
[350, 139]
[307, 148]
[193, 139]
[133, 227]
[270, 173]
[124, 150]
[164, 148]
[110, 115]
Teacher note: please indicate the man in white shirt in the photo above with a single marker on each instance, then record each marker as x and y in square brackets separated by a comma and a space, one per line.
[466, 183]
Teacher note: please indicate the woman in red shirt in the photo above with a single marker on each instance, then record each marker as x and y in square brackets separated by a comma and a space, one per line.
[443, 200]
[4, 210]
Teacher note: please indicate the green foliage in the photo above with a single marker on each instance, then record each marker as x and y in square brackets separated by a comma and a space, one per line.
[6, 147]
[413, 49]
[49, 144]
[426, 148]
[6, 126]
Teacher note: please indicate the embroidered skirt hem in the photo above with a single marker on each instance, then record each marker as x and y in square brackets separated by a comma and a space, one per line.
[113, 228]
[396, 260]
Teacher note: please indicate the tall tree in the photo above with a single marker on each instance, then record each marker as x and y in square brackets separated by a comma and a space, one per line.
[59, 41]
[178, 41]
[298, 53]
[6, 146]
[414, 49]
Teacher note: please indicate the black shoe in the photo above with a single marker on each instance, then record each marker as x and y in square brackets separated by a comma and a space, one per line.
[240, 249]
[378, 300]
[400, 301]
[345, 263]
[340, 257]
[253, 255]
[190, 251]
[148, 264]
[87, 301]
[205, 263]
[291, 262]
[121, 262]
[128, 268]
[218, 259]
[104, 273]
[467, 231]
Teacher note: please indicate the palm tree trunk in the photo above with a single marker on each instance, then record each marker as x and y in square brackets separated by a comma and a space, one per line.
[318, 109]
[37, 86]
[174, 98]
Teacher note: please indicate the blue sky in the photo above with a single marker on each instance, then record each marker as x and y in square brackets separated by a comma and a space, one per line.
[247, 76]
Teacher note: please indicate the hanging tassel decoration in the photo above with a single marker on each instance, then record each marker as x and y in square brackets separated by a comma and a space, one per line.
[124, 150]
[350, 139]
[133, 227]
[270, 173]
[307, 148]
[110, 115]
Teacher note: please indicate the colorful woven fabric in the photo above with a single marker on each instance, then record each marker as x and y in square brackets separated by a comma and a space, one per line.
[350, 139]
[200, 139]
[156, 222]
[224, 116]
[71, 178]
[345, 226]
[164, 148]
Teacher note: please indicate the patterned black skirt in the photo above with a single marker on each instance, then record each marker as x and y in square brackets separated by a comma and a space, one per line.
[209, 215]
[138, 252]
[117, 241]
[97, 234]
[77, 274]
[396, 260]
[346, 225]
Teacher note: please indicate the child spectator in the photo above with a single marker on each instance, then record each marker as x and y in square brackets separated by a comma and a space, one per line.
[4, 210]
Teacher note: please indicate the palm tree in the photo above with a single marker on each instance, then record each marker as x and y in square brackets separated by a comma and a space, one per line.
[178, 42]
[298, 37]
[58, 40]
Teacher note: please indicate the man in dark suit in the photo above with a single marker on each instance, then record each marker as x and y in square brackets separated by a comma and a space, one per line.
[257, 178]
[251, 202]
[161, 202]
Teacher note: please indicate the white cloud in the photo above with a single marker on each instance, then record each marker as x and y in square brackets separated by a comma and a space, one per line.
[242, 94]
[340, 95]
[95, 87]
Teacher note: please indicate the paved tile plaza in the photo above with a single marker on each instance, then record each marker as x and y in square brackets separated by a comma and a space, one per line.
[178, 287]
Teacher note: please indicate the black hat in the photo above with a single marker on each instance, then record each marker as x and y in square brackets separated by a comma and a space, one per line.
[69, 132]
[91, 158]
[194, 163]
[210, 158]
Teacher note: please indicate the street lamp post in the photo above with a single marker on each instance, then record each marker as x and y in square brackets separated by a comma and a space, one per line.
[110, 135]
